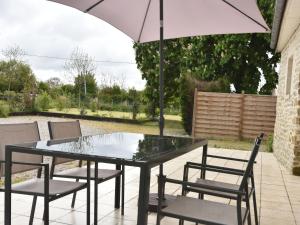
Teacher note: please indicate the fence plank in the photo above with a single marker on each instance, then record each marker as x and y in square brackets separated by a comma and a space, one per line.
[233, 115]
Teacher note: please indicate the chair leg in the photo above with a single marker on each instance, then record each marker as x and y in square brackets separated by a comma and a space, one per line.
[74, 197]
[255, 208]
[75, 193]
[181, 222]
[39, 174]
[254, 200]
[123, 190]
[248, 206]
[32, 210]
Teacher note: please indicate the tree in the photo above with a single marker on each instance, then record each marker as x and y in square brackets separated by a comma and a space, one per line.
[90, 87]
[80, 66]
[147, 58]
[112, 95]
[14, 55]
[240, 60]
[43, 87]
[54, 82]
[67, 89]
[16, 77]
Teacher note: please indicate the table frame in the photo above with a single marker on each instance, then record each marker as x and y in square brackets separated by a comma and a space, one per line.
[145, 174]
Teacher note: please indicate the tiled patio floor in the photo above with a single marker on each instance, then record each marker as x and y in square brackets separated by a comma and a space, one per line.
[278, 194]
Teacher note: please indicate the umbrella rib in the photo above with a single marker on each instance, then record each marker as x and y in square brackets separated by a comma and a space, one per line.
[246, 15]
[93, 6]
[147, 10]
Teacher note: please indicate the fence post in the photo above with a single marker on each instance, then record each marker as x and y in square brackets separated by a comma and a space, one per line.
[241, 116]
[194, 112]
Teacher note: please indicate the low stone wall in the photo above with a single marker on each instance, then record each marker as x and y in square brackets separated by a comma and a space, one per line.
[79, 117]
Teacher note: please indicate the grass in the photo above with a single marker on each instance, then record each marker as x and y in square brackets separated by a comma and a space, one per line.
[112, 114]
[173, 126]
[234, 144]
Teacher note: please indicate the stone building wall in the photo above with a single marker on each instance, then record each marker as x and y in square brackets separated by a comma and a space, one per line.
[287, 126]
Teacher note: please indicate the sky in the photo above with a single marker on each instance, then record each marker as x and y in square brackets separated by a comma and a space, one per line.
[44, 28]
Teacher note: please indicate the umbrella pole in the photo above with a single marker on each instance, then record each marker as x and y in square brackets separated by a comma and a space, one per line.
[161, 70]
[153, 197]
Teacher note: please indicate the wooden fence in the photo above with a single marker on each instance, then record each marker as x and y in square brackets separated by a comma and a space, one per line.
[233, 115]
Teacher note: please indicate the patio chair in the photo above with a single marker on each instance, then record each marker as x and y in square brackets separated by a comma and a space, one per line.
[225, 170]
[71, 129]
[43, 187]
[209, 212]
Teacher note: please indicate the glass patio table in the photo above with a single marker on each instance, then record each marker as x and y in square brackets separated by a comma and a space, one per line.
[131, 149]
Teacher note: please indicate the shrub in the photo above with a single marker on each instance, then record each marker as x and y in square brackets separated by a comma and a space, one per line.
[42, 102]
[94, 105]
[187, 90]
[83, 111]
[115, 107]
[134, 101]
[187, 104]
[14, 100]
[62, 102]
[151, 110]
[4, 109]
[270, 143]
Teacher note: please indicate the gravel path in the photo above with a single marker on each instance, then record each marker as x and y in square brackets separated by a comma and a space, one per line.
[88, 127]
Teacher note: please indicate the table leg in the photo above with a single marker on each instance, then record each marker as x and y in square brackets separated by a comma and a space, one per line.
[117, 188]
[88, 193]
[96, 195]
[204, 160]
[142, 218]
[203, 171]
[46, 197]
[7, 208]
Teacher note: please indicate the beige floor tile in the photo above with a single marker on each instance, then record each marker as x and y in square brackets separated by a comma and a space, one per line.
[276, 221]
[278, 195]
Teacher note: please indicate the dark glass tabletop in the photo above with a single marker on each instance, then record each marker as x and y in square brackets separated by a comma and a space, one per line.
[122, 146]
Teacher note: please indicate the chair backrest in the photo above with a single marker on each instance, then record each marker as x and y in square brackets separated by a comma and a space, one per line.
[64, 130]
[251, 161]
[17, 134]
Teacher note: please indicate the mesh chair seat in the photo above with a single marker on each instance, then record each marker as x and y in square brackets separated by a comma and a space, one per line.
[202, 211]
[56, 187]
[80, 173]
[217, 184]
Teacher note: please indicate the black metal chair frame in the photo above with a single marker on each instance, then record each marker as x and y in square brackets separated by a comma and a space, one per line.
[46, 195]
[203, 167]
[118, 185]
[241, 193]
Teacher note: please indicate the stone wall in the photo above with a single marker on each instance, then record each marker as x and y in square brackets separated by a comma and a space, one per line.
[287, 126]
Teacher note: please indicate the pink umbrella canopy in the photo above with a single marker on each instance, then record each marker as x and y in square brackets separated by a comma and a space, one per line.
[139, 19]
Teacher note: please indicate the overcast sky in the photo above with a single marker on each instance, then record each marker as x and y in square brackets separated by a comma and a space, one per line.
[45, 28]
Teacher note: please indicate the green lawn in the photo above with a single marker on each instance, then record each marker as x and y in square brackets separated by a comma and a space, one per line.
[112, 114]
[173, 126]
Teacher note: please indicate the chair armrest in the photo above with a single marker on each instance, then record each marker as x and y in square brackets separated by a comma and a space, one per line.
[46, 172]
[213, 168]
[228, 158]
[28, 164]
[215, 188]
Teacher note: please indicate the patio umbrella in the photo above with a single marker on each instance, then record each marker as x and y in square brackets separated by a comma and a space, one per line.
[152, 20]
